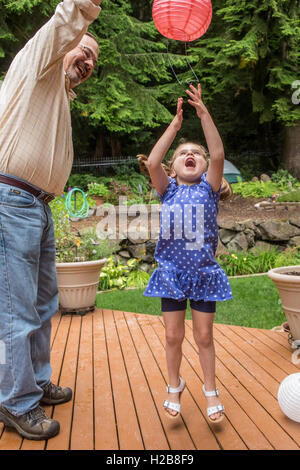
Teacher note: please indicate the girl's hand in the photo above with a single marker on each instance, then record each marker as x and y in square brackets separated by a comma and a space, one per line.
[177, 121]
[196, 100]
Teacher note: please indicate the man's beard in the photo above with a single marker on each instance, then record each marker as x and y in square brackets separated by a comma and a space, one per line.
[74, 78]
[77, 73]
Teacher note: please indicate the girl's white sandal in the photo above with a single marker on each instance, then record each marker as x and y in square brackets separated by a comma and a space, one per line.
[172, 405]
[214, 409]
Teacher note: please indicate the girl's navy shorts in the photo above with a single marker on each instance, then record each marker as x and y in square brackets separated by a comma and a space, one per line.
[173, 305]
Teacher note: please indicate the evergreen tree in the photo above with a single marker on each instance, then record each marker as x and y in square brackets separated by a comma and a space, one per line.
[123, 99]
[252, 53]
[120, 102]
[247, 63]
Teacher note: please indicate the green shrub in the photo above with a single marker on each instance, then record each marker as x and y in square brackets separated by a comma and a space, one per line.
[117, 275]
[133, 185]
[259, 261]
[79, 181]
[281, 182]
[97, 189]
[283, 178]
[293, 196]
[256, 189]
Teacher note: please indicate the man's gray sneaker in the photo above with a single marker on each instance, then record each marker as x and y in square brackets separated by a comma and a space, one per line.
[32, 425]
[54, 395]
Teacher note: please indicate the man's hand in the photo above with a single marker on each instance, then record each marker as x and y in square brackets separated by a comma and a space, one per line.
[177, 121]
[196, 100]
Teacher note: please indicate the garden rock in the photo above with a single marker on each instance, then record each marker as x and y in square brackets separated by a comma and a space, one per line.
[265, 177]
[294, 241]
[226, 235]
[276, 230]
[231, 225]
[221, 248]
[137, 251]
[250, 236]
[238, 243]
[145, 267]
[124, 254]
[295, 221]
[148, 259]
[150, 247]
[237, 226]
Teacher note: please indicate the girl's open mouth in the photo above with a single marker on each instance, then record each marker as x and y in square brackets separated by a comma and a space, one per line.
[190, 162]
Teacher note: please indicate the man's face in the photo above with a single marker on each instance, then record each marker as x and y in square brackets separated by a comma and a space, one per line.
[80, 62]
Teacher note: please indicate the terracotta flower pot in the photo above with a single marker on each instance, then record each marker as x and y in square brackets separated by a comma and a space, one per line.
[78, 284]
[287, 281]
[98, 200]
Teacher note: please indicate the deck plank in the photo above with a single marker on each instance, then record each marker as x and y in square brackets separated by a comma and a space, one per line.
[106, 437]
[64, 413]
[150, 349]
[124, 404]
[277, 353]
[240, 431]
[82, 433]
[242, 339]
[144, 404]
[259, 403]
[245, 355]
[205, 434]
[115, 363]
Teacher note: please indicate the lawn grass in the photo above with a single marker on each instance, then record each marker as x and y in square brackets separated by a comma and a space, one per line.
[255, 303]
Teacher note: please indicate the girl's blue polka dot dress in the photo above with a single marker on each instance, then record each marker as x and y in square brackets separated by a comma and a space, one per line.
[187, 244]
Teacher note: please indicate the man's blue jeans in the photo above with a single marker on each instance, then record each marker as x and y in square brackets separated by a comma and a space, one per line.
[28, 298]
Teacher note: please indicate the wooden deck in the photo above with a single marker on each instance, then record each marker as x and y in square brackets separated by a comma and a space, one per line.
[115, 363]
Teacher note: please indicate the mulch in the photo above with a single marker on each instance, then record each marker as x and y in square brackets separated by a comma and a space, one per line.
[238, 209]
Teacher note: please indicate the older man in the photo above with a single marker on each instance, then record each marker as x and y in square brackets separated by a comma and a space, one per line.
[36, 155]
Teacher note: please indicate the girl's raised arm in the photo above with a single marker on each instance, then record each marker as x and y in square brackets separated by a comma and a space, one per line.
[213, 139]
[157, 173]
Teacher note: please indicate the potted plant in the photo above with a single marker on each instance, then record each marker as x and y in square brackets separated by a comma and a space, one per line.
[287, 281]
[79, 260]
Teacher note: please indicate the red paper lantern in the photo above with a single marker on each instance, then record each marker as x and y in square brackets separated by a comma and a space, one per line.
[184, 20]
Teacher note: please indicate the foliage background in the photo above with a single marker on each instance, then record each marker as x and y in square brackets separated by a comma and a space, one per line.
[246, 62]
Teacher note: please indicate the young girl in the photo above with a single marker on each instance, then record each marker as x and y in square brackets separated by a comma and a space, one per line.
[186, 248]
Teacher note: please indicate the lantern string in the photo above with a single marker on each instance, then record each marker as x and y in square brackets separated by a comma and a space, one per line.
[186, 57]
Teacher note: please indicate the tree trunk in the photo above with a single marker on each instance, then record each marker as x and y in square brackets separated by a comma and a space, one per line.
[291, 150]
[115, 145]
[99, 150]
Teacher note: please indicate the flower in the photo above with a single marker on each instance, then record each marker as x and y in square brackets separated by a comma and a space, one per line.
[71, 244]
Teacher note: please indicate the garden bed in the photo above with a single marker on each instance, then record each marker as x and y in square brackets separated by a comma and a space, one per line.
[235, 209]
[238, 208]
